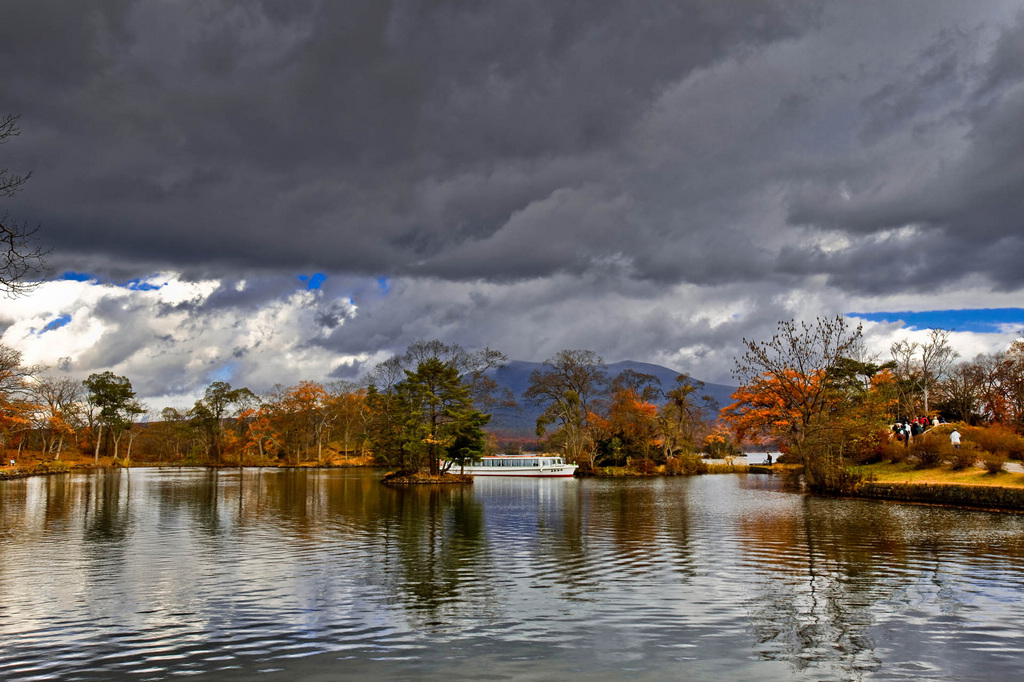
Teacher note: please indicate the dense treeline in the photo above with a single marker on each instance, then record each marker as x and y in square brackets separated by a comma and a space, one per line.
[810, 390]
[412, 411]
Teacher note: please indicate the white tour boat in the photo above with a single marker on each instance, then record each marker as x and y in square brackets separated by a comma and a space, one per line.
[518, 465]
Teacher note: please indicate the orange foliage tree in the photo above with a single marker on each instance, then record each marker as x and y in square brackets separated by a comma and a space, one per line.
[796, 386]
[299, 415]
[634, 421]
[15, 410]
[260, 433]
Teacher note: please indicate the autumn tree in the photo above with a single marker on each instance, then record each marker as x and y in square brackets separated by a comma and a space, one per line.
[219, 405]
[623, 422]
[567, 385]
[15, 408]
[20, 255]
[788, 387]
[299, 417]
[346, 402]
[260, 431]
[310, 403]
[58, 399]
[1008, 380]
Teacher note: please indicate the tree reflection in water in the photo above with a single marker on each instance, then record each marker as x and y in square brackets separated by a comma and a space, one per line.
[434, 543]
[287, 573]
[845, 586]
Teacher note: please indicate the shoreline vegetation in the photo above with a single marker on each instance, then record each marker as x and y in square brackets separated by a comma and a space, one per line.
[973, 488]
[420, 478]
[849, 423]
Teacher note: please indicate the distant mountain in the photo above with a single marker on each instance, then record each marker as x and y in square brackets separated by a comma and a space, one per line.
[522, 420]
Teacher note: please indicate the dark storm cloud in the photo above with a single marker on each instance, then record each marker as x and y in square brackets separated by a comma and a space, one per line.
[361, 136]
[965, 206]
[652, 180]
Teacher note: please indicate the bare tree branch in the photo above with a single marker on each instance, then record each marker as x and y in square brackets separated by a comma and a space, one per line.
[20, 254]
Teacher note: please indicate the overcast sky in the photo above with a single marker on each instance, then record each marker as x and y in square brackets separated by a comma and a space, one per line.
[267, 192]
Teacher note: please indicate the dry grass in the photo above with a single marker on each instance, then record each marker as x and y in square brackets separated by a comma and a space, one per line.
[34, 461]
[906, 473]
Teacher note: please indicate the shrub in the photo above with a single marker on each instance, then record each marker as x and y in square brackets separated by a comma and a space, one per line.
[927, 451]
[996, 438]
[645, 466]
[894, 451]
[690, 463]
[994, 461]
[873, 452]
[827, 473]
[966, 456]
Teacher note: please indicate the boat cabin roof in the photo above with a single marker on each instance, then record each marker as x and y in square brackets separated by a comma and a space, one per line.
[534, 455]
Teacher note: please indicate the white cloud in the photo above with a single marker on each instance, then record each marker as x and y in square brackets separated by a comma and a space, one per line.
[173, 341]
[170, 340]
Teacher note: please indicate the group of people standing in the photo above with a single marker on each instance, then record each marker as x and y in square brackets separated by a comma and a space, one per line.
[906, 429]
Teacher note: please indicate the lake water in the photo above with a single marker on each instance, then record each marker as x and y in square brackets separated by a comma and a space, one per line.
[326, 575]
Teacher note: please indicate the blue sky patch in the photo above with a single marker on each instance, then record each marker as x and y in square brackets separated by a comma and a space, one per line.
[56, 324]
[138, 285]
[980, 320]
[78, 276]
[384, 285]
[313, 282]
[224, 373]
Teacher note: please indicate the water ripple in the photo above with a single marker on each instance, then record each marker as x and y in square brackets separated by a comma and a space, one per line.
[161, 574]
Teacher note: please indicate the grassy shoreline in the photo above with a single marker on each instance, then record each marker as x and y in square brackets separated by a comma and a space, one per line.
[906, 473]
[630, 472]
[30, 468]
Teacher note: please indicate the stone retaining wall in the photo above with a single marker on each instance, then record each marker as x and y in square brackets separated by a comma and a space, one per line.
[986, 497]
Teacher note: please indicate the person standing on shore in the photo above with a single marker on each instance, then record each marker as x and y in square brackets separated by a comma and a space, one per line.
[954, 438]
